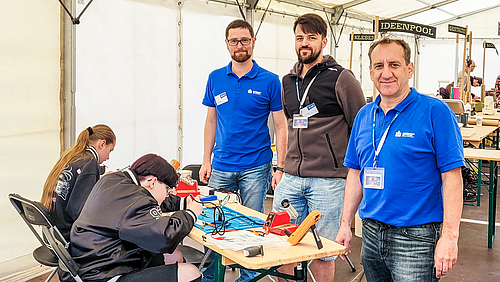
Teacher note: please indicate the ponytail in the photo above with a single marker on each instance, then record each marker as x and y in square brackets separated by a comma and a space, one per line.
[73, 154]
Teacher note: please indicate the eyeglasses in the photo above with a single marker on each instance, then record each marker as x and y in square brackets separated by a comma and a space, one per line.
[170, 190]
[244, 41]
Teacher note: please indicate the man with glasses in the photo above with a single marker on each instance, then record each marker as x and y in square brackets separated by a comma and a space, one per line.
[239, 98]
[470, 65]
[320, 101]
[121, 233]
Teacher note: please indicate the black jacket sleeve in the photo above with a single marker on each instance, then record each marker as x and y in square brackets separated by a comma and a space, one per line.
[84, 183]
[171, 203]
[144, 225]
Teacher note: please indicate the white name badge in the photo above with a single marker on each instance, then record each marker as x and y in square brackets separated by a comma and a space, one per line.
[309, 111]
[299, 121]
[373, 177]
[221, 98]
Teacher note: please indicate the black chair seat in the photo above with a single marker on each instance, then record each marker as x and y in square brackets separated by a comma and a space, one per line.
[193, 256]
[195, 168]
[44, 256]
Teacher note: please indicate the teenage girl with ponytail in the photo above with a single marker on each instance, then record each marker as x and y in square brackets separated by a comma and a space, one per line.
[75, 173]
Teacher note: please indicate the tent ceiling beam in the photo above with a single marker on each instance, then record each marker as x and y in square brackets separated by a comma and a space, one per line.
[252, 3]
[335, 16]
[427, 8]
[283, 13]
[77, 19]
[354, 3]
[308, 5]
[242, 13]
[466, 15]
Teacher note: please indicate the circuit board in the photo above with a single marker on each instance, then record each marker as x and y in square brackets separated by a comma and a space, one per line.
[234, 220]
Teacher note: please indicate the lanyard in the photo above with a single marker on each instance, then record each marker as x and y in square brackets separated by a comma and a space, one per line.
[382, 140]
[305, 92]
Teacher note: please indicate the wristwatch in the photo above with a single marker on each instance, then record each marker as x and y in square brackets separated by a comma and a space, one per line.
[280, 169]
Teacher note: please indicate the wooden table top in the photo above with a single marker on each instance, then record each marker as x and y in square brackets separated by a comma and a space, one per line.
[482, 154]
[495, 116]
[475, 134]
[303, 251]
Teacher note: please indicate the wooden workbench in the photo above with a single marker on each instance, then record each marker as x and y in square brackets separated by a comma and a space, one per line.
[273, 257]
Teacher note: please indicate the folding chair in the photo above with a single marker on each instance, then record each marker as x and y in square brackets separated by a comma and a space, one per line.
[66, 262]
[34, 213]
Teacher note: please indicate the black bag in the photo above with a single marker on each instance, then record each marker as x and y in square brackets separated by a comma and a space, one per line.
[470, 184]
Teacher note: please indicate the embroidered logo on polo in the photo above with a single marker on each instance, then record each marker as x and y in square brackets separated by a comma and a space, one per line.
[155, 212]
[405, 134]
[250, 91]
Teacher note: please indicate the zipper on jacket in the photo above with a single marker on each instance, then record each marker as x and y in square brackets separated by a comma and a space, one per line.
[300, 153]
[331, 150]
[298, 129]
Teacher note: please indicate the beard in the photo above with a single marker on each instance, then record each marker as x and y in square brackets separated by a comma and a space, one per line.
[309, 58]
[241, 57]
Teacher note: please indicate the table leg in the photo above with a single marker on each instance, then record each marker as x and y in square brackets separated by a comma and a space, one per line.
[220, 269]
[493, 202]
[479, 182]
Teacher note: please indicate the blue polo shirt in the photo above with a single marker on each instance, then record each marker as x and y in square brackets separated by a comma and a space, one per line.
[422, 142]
[242, 138]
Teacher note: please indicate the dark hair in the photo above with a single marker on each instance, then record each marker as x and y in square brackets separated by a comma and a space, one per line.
[311, 23]
[389, 40]
[152, 164]
[239, 24]
[469, 62]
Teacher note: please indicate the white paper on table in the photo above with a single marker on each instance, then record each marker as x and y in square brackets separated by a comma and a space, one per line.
[238, 240]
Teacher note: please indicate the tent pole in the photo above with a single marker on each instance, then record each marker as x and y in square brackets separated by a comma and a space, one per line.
[456, 60]
[68, 107]
[180, 88]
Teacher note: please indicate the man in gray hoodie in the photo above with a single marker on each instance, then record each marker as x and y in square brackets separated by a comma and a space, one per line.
[320, 101]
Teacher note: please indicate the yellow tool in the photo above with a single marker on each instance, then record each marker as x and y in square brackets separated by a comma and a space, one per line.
[310, 221]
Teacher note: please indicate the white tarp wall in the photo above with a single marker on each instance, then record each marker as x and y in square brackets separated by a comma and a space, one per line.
[29, 114]
[127, 70]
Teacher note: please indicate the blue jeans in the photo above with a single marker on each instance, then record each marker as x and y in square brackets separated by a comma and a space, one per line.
[252, 184]
[391, 253]
[307, 194]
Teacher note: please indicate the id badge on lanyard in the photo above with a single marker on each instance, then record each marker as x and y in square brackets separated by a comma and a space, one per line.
[373, 177]
[301, 120]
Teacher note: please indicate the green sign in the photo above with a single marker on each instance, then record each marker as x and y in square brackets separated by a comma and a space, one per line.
[457, 29]
[400, 26]
[362, 37]
[490, 45]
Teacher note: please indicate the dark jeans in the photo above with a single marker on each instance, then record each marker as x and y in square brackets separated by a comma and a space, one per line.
[156, 273]
[399, 254]
[252, 184]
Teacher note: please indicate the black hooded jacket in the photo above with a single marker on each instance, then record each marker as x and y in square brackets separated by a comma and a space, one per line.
[319, 149]
[121, 228]
[72, 189]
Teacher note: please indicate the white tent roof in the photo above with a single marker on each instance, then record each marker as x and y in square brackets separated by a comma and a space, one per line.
[429, 12]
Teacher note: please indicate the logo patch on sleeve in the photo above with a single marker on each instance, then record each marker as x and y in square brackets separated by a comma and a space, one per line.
[156, 212]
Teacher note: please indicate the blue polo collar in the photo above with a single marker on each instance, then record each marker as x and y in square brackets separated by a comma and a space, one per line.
[251, 74]
[403, 104]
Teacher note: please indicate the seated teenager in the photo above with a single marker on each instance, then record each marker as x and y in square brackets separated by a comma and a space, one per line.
[75, 173]
[121, 233]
